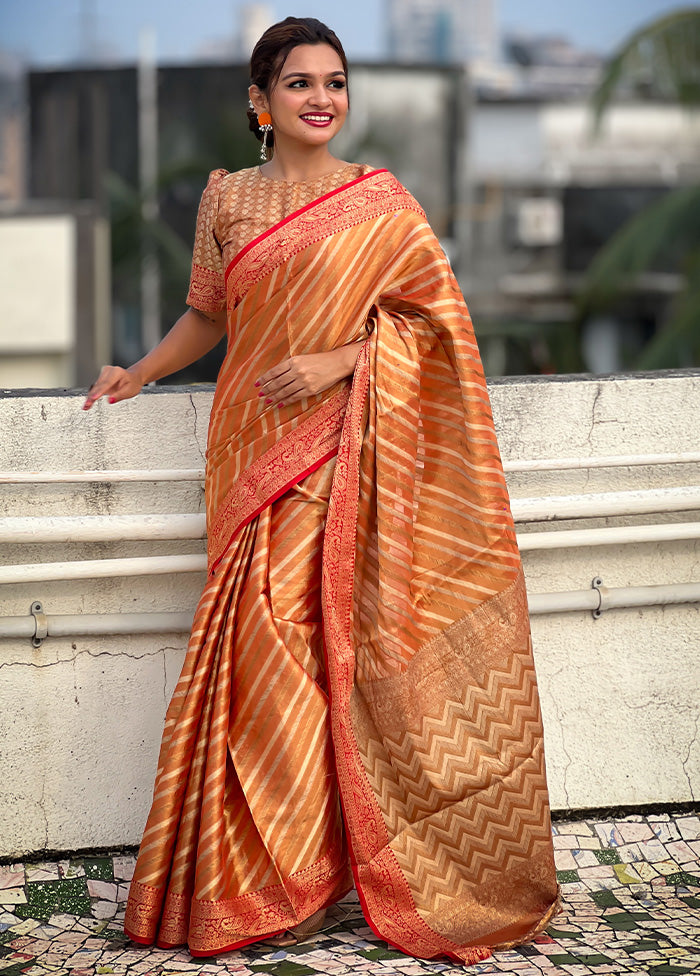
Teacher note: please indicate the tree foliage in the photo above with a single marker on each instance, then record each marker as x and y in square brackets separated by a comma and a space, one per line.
[661, 59]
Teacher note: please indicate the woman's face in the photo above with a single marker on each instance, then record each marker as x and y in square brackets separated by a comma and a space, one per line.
[309, 102]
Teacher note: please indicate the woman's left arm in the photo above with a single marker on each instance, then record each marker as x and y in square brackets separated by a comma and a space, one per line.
[304, 376]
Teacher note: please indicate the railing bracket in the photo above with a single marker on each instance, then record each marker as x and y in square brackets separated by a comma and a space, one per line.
[41, 624]
[597, 585]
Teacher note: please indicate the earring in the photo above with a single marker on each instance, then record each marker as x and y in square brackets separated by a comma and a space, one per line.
[265, 123]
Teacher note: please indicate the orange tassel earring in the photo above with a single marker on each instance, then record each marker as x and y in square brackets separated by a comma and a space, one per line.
[265, 123]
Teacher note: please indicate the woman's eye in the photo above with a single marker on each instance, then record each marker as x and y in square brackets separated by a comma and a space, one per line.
[299, 83]
[338, 85]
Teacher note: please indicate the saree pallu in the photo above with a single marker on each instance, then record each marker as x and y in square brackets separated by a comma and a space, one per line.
[358, 702]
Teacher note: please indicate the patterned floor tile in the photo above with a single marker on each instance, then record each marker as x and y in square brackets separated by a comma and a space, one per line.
[631, 904]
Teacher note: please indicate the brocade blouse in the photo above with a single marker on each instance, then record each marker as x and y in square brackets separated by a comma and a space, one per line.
[235, 209]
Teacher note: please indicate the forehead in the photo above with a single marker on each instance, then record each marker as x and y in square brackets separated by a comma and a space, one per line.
[318, 59]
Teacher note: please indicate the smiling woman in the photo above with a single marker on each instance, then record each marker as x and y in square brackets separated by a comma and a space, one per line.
[358, 703]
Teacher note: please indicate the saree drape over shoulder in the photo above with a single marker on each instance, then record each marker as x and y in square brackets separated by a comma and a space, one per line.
[358, 702]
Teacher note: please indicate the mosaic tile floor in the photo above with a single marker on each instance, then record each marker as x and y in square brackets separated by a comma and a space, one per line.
[631, 905]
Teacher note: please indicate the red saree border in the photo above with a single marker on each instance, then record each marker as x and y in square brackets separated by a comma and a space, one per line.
[385, 895]
[296, 455]
[294, 215]
[386, 898]
[201, 924]
[370, 196]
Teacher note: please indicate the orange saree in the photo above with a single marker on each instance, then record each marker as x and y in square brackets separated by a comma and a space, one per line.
[358, 702]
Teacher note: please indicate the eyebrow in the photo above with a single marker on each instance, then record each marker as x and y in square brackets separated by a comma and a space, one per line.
[306, 74]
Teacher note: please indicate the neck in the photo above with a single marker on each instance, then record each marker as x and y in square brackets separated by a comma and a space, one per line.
[295, 164]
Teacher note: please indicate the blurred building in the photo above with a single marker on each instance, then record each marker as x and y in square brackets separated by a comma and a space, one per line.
[253, 21]
[12, 128]
[546, 194]
[442, 31]
[86, 122]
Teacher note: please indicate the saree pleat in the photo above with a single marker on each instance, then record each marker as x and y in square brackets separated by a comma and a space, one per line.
[362, 641]
[246, 786]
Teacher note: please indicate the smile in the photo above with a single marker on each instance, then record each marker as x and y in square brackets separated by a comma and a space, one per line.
[318, 120]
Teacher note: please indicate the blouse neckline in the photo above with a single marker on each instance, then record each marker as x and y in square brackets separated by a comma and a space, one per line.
[315, 179]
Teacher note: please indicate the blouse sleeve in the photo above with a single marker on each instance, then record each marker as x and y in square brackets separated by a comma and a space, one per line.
[207, 286]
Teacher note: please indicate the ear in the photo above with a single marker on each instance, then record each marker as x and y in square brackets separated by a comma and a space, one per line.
[259, 99]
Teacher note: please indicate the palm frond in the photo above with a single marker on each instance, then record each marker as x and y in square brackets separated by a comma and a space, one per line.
[661, 57]
[669, 228]
[678, 342]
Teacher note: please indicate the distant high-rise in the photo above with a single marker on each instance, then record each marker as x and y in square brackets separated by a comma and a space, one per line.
[253, 21]
[458, 31]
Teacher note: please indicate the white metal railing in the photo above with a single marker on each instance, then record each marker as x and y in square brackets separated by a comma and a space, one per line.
[597, 600]
[197, 474]
[547, 508]
[101, 528]
[180, 526]
[96, 477]
[75, 569]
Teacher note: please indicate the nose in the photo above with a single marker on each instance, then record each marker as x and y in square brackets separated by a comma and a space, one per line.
[319, 96]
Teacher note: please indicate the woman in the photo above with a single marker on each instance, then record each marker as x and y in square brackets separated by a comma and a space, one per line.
[358, 702]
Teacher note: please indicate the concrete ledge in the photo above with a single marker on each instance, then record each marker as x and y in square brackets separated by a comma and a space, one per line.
[80, 719]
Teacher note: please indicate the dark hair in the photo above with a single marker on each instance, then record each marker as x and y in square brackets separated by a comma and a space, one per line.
[272, 50]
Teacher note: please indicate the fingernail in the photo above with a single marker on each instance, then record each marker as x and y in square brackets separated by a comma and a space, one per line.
[268, 400]
[112, 400]
[257, 382]
[280, 404]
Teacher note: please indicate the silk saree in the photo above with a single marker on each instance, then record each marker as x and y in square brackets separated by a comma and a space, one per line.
[358, 704]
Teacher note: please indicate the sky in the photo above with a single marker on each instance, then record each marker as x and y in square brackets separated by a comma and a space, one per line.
[48, 32]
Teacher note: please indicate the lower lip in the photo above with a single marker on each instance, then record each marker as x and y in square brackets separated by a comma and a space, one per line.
[317, 125]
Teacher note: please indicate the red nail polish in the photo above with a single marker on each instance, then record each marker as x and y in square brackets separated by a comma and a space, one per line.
[111, 400]
[257, 382]
[268, 400]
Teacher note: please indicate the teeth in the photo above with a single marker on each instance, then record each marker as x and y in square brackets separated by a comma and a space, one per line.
[318, 118]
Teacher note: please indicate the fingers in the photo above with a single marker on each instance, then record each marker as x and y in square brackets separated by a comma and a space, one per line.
[112, 382]
[279, 384]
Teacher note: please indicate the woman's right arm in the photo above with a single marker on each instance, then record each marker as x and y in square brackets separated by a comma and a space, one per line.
[194, 334]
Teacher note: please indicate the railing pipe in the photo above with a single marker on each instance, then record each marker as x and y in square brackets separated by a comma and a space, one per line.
[101, 528]
[608, 536]
[96, 477]
[101, 568]
[99, 624]
[550, 508]
[604, 461]
[600, 599]
[197, 474]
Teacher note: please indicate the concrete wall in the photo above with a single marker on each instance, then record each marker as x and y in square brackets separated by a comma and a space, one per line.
[80, 719]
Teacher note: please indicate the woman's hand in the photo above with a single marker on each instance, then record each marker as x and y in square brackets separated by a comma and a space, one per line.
[115, 383]
[305, 376]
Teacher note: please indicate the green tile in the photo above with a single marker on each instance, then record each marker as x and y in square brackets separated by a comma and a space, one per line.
[595, 959]
[644, 945]
[605, 899]
[607, 856]
[380, 953]
[567, 877]
[691, 901]
[683, 878]
[563, 934]
[564, 960]
[73, 897]
[625, 921]
[665, 969]
[99, 868]
[42, 900]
